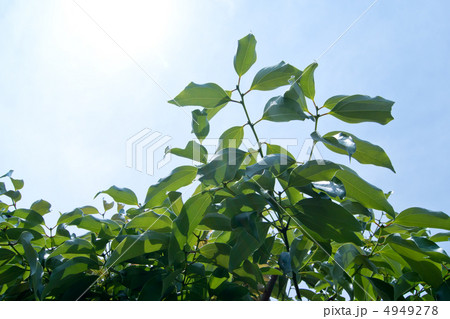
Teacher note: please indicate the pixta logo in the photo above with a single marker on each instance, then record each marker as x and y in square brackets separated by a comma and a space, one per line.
[141, 149]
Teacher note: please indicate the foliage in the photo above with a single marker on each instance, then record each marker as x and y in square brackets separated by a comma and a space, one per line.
[259, 225]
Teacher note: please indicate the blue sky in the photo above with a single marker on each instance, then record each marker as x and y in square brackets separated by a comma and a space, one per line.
[70, 97]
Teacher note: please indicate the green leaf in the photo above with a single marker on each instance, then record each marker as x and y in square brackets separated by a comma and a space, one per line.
[332, 101]
[283, 109]
[276, 163]
[245, 245]
[329, 212]
[363, 108]
[300, 247]
[68, 217]
[208, 95]
[179, 177]
[41, 206]
[216, 221]
[435, 252]
[342, 142]
[17, 183]
[151, 221]
[74, 247]
[137, 245]
[200, 124]
[6, 254]
[246, 54]
[272, 77]
[29, 215]
[443, 293]
[223, 167]
[284, 261]
[247, 221]
[295, 92]
[184, 225]
[107, 206]
[333, 188]
[121, 195]
[231, 138]
[444, 236]
[36, 270]
[418, 260]
[11, 273]
[328, 219]
[210, 113]
[405, 283]
[193, 151]
[421, 217]
[346, 254]
[69, 268]
[363, 151]
[365, 193]
[307, 81]
[277, 149]
[96, 225]
[383, 289]
[218, 253]
[313, 171]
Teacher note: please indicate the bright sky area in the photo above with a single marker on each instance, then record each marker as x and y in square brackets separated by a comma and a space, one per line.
[70, 97]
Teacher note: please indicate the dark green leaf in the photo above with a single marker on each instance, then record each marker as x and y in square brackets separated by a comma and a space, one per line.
[284, 108]
[329, 220]
[443, 293]
[245, 245]
[216, 221]
[6, 254]
[383, 289]
[9, 274]
[208, 95]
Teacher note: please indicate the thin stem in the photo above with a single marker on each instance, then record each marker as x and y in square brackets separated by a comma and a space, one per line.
[316, 121]
[252, 125]
[258, 121]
